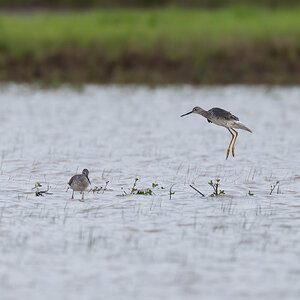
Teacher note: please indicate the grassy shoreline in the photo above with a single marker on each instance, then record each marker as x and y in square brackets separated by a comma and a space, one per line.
[230, 45]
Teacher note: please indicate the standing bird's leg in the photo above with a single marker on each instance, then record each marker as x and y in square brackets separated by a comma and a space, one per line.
[229, 143]
[72, 194]
[234, 141]
[82, 198]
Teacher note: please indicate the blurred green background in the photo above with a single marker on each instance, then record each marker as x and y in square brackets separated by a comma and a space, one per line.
[140, 3]
[152, 42]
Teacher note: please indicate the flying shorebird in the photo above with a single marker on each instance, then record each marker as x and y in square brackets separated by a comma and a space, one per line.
[80, 182]
[223, 118]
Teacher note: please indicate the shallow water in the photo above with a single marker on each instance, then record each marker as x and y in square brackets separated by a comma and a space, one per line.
[234, 246]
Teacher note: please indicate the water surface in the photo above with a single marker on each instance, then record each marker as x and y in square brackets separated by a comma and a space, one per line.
[149, 247]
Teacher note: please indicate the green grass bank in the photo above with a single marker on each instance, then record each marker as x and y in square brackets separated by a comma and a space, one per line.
[157, 46]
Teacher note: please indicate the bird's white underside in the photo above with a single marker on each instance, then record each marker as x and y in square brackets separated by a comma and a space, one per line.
[230, 124]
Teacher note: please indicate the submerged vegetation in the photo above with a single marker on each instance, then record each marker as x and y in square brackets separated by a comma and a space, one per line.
[231, 44]
[98, 189]
[38, 191]
[150, 191]
[144, 191]
[273, 188]
[216, 188]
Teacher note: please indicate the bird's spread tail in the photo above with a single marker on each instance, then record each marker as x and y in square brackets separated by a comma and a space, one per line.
[239, 125]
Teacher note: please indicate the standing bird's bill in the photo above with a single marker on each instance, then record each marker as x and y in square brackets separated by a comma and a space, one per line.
[186, 114]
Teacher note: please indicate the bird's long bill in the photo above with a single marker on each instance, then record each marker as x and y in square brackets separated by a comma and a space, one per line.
[186, 114]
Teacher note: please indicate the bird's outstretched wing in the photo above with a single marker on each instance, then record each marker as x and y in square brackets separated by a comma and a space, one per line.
[221, 113]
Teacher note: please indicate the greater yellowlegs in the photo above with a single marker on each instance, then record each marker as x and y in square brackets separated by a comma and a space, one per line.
[223, 118]
[79, 182]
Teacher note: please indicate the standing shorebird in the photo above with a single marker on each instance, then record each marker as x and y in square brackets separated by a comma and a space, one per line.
[223, 118]
[80, 182]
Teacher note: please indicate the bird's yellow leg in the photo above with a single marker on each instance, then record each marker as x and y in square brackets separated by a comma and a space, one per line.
[229, 143]
[73, 195]
[234, 141]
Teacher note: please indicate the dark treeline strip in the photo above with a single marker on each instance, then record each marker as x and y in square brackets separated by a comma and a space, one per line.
[269, 65]
[23, 4]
